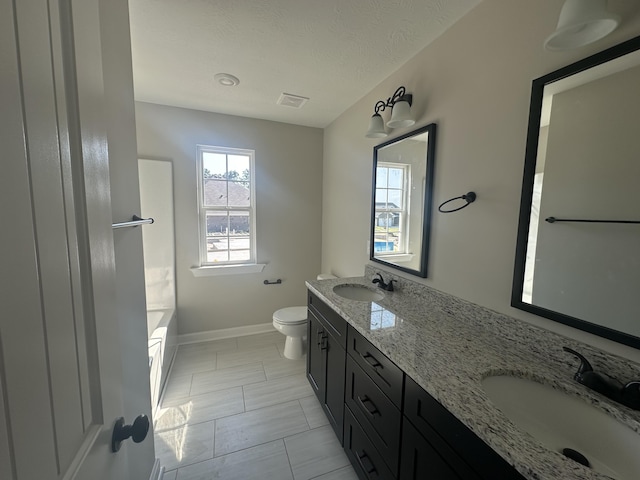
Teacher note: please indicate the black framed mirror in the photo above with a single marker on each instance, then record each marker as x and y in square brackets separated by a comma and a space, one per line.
[401, 201]
[578, 249]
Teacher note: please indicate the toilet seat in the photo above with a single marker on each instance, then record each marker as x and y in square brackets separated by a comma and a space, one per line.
[291, 316]
[300, 322]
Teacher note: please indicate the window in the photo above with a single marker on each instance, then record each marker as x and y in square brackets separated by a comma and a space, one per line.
[226, 204]
[391, 234]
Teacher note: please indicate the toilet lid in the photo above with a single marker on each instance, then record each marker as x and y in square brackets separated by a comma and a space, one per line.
[291, 315]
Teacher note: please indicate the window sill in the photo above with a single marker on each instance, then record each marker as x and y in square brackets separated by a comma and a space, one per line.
[214, 271]
[398, 257]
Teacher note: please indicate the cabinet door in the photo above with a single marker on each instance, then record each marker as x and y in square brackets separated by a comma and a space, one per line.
[420, 460]
[439, 425]
[334, 384]
[315, 357]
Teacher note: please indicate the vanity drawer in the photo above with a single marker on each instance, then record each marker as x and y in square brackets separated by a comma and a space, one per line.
[364, 457]
[429, 417]
[387, 376]
[377, 415]
[336, 325]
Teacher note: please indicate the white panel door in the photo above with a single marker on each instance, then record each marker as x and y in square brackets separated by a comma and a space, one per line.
[60, 369]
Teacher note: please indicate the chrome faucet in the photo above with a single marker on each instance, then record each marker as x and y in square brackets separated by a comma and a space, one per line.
[628, 395]
[381, 283]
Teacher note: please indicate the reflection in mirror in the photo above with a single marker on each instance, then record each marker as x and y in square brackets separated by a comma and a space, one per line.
[381, 318]
[401, 204]
[578, 255]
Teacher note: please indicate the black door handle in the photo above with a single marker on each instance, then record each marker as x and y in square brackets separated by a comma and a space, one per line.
[137, 431]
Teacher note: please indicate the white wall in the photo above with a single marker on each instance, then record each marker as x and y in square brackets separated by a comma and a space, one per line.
[475, 83]
[289, 199]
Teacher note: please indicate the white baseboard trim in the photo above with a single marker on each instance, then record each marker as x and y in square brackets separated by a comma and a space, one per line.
[225, 333]
[157, 471]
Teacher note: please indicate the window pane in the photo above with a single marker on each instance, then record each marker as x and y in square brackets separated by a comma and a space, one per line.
[381, 198]
[218, 256]
[240, 165]
[239, 194]
[384, 220]
[217, 240]
[396, 178]
[217, 224]
[239, 225]
[215, 192]
[214, 165]
[240, 255]
[382, 242]
[395, 199]
[381, 177]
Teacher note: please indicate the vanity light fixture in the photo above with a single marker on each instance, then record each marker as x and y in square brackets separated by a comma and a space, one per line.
[582, 22]
[400, 104]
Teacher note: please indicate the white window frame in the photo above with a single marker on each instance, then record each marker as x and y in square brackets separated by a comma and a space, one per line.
[206, 267]
[402, 212]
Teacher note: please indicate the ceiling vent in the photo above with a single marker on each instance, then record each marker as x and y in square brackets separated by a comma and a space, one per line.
[288, 100]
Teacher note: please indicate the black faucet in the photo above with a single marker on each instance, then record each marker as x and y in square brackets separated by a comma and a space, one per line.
[628, 395]
[385, 286]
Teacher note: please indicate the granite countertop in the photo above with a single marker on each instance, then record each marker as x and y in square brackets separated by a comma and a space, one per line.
[448, 350]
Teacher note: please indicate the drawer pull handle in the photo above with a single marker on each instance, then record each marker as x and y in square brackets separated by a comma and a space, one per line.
[371, 360]
[362, 457]
[321, 337]
[371, 411]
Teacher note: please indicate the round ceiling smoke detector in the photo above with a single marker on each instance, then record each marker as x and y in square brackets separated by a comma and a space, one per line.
[226, 79]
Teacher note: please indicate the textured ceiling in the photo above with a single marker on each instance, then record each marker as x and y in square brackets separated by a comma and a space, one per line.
[332, 51]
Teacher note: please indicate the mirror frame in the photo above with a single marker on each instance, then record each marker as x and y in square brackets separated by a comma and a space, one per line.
[426, 206]
[533, 130]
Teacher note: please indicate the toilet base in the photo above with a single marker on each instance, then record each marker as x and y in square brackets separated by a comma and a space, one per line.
[293, 348]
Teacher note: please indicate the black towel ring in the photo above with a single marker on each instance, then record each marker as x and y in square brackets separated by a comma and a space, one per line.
[469, 197]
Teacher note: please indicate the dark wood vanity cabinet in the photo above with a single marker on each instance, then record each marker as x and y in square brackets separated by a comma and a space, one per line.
[390, 427]
[467, 456]
[326, 359]
[425, 453]
[421, 460]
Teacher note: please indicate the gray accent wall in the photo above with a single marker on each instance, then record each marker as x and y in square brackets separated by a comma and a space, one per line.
[288, 161]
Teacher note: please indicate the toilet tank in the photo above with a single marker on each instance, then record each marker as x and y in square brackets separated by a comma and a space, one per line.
[325, 276]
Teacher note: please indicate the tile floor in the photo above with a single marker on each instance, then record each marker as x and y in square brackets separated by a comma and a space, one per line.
[237, 409]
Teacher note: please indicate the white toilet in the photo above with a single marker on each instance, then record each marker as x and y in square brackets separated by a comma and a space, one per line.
[292, 322]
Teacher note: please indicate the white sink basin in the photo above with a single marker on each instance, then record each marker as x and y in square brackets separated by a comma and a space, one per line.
[559, 421]
[358, 292]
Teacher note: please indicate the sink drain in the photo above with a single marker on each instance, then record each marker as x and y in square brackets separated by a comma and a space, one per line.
[576, 456]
